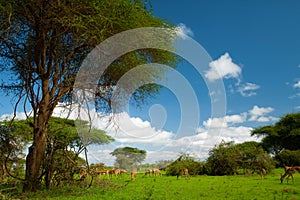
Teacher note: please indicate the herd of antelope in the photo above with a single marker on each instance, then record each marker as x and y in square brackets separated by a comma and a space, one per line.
[289, 171]
[116, 172]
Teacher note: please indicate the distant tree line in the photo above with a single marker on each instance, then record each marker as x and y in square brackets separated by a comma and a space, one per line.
[280, 146]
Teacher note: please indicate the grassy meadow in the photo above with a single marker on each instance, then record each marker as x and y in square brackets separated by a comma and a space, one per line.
[167, 187]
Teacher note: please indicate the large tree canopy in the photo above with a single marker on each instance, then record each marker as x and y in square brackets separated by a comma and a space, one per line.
[285, 134]
[43, 43]
[127, 157]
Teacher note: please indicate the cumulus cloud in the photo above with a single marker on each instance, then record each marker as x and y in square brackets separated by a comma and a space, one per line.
[297, 85]
[259, 114]
[248, 89]
[213, 131]
[164, 145]
[223, 67]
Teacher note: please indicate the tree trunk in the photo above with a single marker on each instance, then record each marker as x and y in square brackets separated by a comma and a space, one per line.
[34, 161]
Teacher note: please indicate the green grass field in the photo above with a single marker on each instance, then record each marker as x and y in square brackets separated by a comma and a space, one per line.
[167, 187]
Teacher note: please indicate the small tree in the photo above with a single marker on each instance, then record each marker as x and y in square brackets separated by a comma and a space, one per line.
[223, 159]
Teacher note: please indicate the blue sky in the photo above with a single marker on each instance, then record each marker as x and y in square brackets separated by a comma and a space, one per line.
[256, 45]
[262, 37]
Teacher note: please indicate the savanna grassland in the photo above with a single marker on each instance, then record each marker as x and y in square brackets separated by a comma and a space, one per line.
[167, 187]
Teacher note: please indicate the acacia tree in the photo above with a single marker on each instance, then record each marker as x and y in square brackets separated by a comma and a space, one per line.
[43, 43]
[284, 134]
[127, 157]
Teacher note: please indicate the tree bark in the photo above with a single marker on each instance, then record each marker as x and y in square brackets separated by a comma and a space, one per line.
[34, 161]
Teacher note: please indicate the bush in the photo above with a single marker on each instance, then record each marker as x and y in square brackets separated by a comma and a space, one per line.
[194, 167]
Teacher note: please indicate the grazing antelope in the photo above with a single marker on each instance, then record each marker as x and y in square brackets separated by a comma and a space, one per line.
[289, 171]
[102, 171]
[262, 173]
[184, 171]
[133, 175]
[123, 171]
[148, 172]
[114, 171]
[156, 172]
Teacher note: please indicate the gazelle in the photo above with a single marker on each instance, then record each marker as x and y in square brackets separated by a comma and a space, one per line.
[102, 171]
[262, 173]
[123, 171]
[133, 175]
[114, 171]
[156, 172]
[183, 172]
[289, 171]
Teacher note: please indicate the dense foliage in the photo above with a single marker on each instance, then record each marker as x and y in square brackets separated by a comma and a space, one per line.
[185, 161]
[228, 158]
[285, 134]
[128, 157]
[288, 158]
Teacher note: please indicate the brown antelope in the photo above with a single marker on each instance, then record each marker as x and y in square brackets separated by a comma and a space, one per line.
[114, 171]
[183, 172]
[82, 174]
[102, 171]
[148, 172]
[133, 175]
[123, 171]
[286, 168]
[262, 173]
[289, 171]
[156, 172]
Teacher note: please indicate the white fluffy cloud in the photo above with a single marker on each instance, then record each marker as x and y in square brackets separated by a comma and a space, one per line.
[259, 114]
[164, 145]
[297, 85]
[223, 68]
[248, 89]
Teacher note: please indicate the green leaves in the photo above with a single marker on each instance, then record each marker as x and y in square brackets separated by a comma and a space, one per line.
[127, 156]
[285, 134]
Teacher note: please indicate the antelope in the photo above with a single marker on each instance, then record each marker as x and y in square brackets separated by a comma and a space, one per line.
[156, 172]
[289, 171]
[148, 172]
[123, 171]
[133, 175]
[114, 171]
[286, 168]
[184, 171]
[262, 173]
[104, 171]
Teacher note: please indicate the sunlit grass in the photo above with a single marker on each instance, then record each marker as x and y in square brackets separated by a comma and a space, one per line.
[200, 187]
